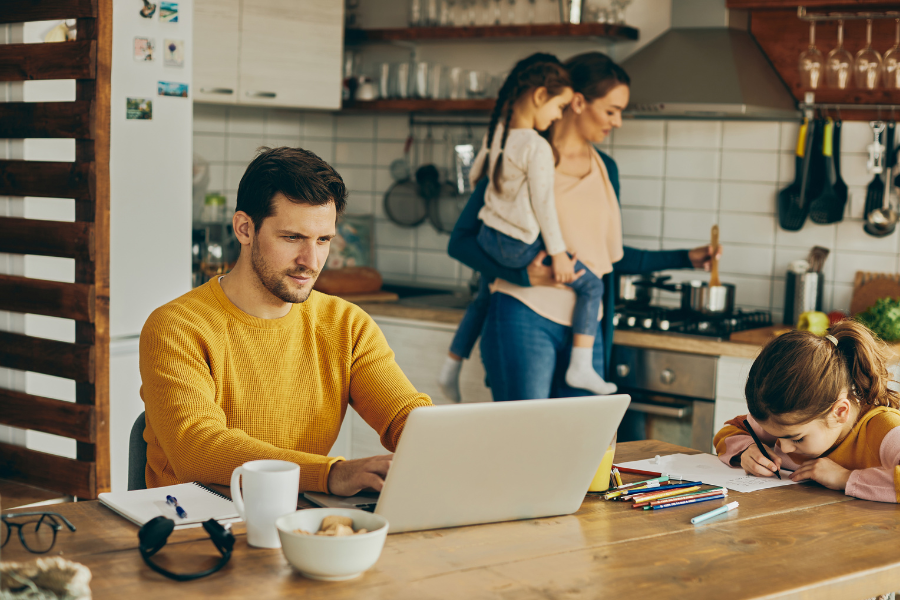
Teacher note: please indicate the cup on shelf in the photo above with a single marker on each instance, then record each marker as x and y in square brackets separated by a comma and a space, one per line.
[384, 80]
[476, 84]
[456, 83]
[420, 80]
[400, 81]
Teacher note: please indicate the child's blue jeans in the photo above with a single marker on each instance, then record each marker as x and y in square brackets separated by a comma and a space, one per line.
[515, 254]
[473, 321]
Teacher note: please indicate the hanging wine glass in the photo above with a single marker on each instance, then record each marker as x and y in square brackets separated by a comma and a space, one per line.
[838, 63]
[892, 61]
[811, 61]
[868, 63]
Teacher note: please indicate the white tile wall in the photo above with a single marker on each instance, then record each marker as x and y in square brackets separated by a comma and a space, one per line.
[678, 178]
[361, 148]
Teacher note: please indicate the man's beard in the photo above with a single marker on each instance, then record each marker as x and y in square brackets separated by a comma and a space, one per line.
[276, 282]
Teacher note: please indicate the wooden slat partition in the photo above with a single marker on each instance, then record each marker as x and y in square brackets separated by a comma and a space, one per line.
[45, 120]
[47, 10]
[66, 419]
[46, 238]
[51, 357]
[75, 477]
[86, 240]
[45, 179]
[63, 60]
[51, 298]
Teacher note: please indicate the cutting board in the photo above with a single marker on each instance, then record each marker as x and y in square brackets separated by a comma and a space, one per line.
[868, 288]
[760, 336]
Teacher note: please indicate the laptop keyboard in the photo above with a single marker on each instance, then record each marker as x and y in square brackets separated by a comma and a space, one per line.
[367, 507]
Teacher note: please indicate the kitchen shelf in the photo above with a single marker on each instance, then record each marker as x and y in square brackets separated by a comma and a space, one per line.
[497, 32]
[423, 105]
[856, 5]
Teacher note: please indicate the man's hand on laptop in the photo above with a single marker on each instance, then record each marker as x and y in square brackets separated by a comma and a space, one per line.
[349, 477]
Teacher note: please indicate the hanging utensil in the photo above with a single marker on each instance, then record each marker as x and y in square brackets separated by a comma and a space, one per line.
[827, 206]
[881, 220]
[444, 210]
[791, 213]
[428, 176]
[402, 203]
[714, 261]
[840, 187]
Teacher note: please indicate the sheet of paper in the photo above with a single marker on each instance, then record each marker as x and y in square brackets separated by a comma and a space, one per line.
[710, 470]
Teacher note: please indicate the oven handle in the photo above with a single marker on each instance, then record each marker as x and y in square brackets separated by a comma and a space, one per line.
[657, 409]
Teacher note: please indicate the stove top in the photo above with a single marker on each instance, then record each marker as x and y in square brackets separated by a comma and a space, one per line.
[676, 321]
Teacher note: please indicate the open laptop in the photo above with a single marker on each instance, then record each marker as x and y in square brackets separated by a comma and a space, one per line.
[464, 464]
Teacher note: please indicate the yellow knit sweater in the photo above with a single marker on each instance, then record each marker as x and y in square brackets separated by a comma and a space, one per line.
[222, 387]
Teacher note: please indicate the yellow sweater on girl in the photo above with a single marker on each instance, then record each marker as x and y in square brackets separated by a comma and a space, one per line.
[871, 451]
[222, 387]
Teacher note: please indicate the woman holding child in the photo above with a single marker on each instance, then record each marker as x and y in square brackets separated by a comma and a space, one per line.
[527, 334]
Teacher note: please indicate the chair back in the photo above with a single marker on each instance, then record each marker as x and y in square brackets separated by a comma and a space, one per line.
[137, 456]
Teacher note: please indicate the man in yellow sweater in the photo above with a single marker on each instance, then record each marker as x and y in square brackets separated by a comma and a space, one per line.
[257, 365]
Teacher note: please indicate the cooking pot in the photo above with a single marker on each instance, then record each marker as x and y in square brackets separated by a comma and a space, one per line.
[636, 289]
[699, 296]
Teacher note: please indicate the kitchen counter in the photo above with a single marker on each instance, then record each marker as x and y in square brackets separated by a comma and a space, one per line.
[640, 339]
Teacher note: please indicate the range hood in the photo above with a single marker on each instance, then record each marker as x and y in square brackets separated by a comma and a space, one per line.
[706, 72]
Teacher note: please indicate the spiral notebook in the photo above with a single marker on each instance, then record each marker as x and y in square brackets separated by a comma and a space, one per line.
[200, 502]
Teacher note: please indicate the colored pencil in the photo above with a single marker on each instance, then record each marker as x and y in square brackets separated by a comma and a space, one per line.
[618, 477]
[759, 444]
[638, 472]
[638, 485]
[674, 486]
[679, 497]
[685, 502]
[658, 495]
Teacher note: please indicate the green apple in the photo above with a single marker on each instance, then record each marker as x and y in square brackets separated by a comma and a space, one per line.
[814, 321]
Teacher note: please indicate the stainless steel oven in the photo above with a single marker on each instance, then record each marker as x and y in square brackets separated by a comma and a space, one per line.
[675, 392]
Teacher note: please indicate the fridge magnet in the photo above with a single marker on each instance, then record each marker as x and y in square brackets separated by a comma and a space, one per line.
[168, 88]
[173, 53]
[143, 49]
[139, 108]
[148, 10]
[352, 246]
[168, 12]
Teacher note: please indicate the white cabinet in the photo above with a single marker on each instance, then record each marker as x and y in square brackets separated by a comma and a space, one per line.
[269, 52]
[216, 48]
[420, 348]
[731, 377]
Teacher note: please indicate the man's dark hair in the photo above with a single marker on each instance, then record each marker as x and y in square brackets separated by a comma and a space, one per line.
[299, 174]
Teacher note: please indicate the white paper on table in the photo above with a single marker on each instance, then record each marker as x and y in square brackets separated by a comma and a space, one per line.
[710, 470]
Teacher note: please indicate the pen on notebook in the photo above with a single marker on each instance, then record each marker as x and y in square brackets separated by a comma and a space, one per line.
[172, 501]
[713, 513]
[760, 445]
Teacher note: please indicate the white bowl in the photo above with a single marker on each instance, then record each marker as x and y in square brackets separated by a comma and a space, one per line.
[330, 558]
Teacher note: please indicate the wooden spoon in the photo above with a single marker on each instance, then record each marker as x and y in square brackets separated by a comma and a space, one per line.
[714, 262]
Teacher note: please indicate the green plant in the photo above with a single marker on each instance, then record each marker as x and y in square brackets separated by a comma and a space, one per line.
[883, 319]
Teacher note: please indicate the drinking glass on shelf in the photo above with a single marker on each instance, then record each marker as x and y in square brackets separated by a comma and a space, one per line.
[430, 13]
[476, 84]
[400, 86]
[838, 63]
[415, 13]
[469, 12]
[868, 63]
[420, 80]
[384, 80]
[448, 13]
[811, 62]
[532, 11]
[456, 83]
[892, 61]
[510, 12]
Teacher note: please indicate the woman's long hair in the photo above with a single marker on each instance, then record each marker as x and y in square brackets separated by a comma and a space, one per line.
[799, 376]
[538, 70]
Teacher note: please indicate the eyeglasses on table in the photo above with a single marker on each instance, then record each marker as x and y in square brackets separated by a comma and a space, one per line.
[37, 530]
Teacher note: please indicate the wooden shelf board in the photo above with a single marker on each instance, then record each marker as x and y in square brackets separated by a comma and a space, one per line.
[422, 105]
[838, 5]
[546, 30]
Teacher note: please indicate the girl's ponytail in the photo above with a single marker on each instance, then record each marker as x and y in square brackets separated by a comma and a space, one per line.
[866, 358]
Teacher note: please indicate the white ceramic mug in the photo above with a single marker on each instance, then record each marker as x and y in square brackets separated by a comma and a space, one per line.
[270, 489]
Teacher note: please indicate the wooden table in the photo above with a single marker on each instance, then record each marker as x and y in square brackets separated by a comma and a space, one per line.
[790, 542]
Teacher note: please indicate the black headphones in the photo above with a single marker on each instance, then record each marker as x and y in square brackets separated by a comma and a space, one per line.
[155, 533]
